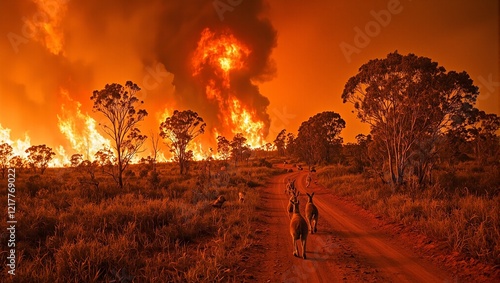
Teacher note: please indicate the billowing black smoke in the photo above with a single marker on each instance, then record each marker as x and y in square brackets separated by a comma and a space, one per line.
[178, 38]
[115, 41]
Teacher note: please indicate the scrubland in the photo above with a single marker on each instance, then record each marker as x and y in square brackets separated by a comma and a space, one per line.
[159, 228]
[461, 208]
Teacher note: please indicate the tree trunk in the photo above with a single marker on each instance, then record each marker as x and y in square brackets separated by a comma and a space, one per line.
[181, 166]
[391, 169]
[120, 165]
[120, 174]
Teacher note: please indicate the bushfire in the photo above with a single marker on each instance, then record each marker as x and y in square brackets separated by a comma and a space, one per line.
[216, 61]
[218, 57]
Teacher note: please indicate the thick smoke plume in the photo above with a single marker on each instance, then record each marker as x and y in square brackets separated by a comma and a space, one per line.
[52, 47]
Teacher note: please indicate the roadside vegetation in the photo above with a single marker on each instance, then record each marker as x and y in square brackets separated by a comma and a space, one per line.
[160, 227]
[461, 209]
[430, 162]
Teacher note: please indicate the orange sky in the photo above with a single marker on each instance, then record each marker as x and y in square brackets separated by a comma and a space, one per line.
[312, 70]
[94, 43]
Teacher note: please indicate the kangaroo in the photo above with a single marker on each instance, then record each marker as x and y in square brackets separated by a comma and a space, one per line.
[290, 187]
[311, 213]
[298, 230]
[241, 197]
[219, 201]
[293, 199]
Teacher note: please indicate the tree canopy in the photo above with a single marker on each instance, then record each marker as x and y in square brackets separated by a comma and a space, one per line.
[39, 156]
[118, 104]
[5, 155]
[180, 129]
[239, 148]
[223, 148]
[318, 139]
[409, 101]
[280, 142]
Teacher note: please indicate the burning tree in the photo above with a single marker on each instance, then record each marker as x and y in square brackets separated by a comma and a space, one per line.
[409, 101]
[117, 104]
[180, 129]
[39, 156]
[5, 154]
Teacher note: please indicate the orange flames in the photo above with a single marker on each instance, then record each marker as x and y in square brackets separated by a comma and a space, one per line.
[197, 147]
[18, 146]
[223, 51]
[216, 58]
[222, 54]
[45, 25]
[245, 123]
[80, 130]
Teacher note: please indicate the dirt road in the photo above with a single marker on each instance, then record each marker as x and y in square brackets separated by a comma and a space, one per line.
[348, 247]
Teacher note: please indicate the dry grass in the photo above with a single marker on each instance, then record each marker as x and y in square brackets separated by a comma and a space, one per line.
[72, 232]
[466, 218]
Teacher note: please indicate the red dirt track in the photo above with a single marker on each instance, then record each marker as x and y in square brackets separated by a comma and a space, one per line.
[348, 247]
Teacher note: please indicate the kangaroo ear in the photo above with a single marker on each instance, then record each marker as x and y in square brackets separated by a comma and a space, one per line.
[308, 194]
[312, 194]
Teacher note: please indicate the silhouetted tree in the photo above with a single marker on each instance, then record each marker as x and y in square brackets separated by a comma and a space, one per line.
[39, 156]
[117, 104]
[105, 158]
[76, 159]
[409, 100]
[482, 134]
[238, 147]
[280, 142]
[180, 129]
[246, 153]
[17, 162]
[356, 154]
[155, 149]
[5, 155]
[318, 139]
[149, 161]
[290, 144]
[87, 170]
[223, 148]
[268, 147]
[377, 167]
